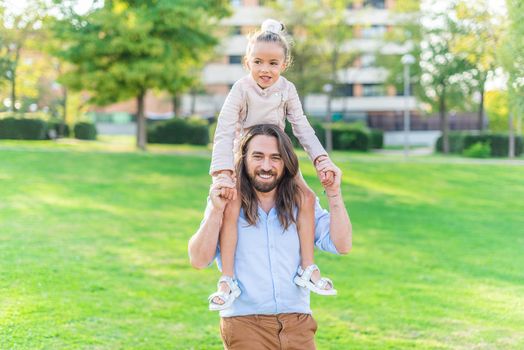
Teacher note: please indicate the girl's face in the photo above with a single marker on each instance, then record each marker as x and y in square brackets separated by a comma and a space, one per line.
[265, 62]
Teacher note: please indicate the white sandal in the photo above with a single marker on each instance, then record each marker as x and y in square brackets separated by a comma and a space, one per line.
[227, 298]
[303, 279]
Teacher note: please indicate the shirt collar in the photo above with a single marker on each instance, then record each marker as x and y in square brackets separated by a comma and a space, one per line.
[264, 92]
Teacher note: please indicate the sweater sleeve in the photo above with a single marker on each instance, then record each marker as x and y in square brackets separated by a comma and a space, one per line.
[301, 127]
[223, 158]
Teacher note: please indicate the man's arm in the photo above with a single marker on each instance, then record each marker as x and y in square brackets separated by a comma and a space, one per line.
[340, 230]
[203, 244]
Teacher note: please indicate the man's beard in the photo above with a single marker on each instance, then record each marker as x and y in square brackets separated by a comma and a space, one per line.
[265, 187]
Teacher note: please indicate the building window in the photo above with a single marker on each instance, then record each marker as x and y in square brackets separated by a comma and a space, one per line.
[369, 90]
[378, 4]
[374, 31]
[236, 30]
[367, 60]
[343, 90]
[235, 59]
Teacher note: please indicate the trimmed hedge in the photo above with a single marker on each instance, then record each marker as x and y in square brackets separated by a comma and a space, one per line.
[85, 131]
[346, 136]
[23, 129]
[54, 126]
[194, 131]
[499, 143]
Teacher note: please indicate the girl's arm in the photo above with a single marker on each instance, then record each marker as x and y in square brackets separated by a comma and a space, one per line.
[303, 131]
[223, 158]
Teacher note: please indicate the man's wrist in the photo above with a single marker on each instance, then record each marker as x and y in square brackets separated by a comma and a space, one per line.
[334, 193]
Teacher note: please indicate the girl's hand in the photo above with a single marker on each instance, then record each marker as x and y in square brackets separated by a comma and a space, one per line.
[228, 189]
[326, 170]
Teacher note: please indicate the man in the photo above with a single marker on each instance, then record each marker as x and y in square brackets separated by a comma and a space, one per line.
[271, 312]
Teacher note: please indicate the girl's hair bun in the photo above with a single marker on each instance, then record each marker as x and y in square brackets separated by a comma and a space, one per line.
[273, 26]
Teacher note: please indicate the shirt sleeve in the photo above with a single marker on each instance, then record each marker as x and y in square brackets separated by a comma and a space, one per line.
[322, 222]
[300, 125]
[222, 157]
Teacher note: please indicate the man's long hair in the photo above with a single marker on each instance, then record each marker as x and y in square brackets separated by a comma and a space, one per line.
[287, 191]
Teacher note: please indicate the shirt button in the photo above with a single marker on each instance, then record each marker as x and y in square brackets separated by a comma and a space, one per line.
[264, 93]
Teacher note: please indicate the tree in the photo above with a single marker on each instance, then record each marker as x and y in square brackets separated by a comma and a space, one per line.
[125, 48]
[445, 74]
[404, 38]
[307, 70]
[478, 35]
[333, 29]
[16, 30]
[511, 55]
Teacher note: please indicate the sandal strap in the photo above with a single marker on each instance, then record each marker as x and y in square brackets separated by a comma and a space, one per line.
[323, 282]
[306, 273]
[220, 294]
[232, 283]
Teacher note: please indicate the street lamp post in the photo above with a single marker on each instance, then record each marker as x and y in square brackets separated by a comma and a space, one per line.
[328, 88]
[406, 60]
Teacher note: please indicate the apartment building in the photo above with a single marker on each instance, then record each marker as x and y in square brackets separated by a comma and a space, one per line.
[365, 97]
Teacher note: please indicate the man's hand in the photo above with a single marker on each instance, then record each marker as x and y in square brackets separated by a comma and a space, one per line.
[331, 184]
[324, 166]
[220, 191]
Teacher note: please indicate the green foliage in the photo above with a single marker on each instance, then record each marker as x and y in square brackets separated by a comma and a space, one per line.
[85, 131]
[499, 143]
[456, 142]
[346, 136]
[478, 150]
[125, 48]
[59, 128]
[194, 131]
[23, 128]
[406, 33]
[377, 138]
[497, 110]
[350, 137]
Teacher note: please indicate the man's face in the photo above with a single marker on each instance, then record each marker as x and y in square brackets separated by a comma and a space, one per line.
[264, 164]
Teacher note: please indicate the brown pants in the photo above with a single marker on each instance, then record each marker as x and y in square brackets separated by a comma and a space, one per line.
[269, 332]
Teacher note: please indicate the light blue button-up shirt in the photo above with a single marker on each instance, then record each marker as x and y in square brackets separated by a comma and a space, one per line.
[266, 261]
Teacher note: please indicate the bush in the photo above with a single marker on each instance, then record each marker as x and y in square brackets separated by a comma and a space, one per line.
[377, 138]
[193, 130]
[23, 129]
[85, 131]
[53, 126]
[317, 127]
[350, 137]
[499, 143]
[478, 150]
[456, 142]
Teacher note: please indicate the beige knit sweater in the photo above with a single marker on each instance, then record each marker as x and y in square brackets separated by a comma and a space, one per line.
[246, 105]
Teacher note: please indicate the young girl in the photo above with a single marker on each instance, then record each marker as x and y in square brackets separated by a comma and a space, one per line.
[265, 97]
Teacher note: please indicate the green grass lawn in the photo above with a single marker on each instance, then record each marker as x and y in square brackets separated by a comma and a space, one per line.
[93, 252]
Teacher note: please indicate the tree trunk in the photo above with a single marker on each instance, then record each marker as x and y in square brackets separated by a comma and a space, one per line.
[177, 105]
[13, 80]
[511, 146]
[329, 133]
[193, 102]
[481, 110]
[444, 122]
[61, 128]
[141, 135]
